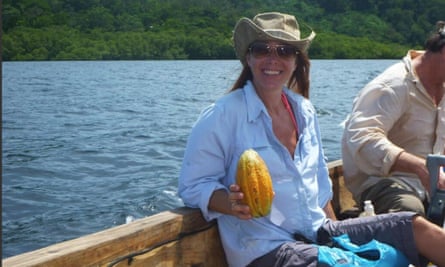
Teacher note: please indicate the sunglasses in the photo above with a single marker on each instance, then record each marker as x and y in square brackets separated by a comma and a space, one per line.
[260, 50]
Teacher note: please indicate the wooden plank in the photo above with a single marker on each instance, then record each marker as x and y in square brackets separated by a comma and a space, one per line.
[100, 248]
[343, 202]
[203, 249]
[136, 244]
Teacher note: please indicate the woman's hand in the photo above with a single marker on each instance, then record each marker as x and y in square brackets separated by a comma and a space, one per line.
[238, 209]
[230, 202]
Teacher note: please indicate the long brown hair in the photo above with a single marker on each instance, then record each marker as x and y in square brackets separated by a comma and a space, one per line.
[299, 81]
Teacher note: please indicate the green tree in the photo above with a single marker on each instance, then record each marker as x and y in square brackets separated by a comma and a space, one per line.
[201, 29]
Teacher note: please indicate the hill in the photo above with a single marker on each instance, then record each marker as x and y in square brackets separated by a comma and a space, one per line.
[201, 29]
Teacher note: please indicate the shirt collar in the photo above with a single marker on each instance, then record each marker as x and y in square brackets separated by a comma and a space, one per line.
[408, 59]
[255, 105]
[412, 75]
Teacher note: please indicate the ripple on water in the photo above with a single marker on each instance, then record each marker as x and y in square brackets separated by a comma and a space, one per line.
[86, 144]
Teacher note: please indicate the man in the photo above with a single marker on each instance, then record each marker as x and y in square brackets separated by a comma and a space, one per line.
[396, 121]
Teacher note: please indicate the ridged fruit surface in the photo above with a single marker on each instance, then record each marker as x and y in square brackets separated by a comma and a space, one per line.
[255, 182]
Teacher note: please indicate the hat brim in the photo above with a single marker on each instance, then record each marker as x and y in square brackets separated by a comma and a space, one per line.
[246, 32]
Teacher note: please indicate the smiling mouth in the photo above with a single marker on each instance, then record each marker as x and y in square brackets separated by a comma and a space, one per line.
[271, 72]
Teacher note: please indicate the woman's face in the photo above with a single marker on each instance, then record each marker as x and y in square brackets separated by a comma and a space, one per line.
[272, 64]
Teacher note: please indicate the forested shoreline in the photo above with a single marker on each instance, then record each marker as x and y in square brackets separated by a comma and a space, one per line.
[201, 29]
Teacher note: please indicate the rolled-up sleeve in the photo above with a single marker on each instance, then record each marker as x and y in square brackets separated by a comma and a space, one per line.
[203, 167]
[374, 113]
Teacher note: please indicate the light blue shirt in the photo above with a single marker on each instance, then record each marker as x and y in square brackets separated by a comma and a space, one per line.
[224, 130]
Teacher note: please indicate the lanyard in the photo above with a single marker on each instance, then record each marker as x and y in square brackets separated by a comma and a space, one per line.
[289, 109]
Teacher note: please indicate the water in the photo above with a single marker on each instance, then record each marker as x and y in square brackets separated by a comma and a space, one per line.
[87, 145]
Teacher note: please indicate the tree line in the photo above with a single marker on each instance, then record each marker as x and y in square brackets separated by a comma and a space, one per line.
[202, 29]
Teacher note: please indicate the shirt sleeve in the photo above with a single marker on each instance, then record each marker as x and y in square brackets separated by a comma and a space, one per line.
[324, 182]
[203, 168]
[374, 113]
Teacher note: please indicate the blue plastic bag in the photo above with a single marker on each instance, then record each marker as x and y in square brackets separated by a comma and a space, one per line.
[372, 254]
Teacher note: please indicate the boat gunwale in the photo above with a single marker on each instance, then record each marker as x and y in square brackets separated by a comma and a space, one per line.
[160, 235]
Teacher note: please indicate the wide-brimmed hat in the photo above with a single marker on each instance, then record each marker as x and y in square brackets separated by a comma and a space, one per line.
[266, 27]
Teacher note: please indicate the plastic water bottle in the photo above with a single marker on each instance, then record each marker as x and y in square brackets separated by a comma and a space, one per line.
[368, 210]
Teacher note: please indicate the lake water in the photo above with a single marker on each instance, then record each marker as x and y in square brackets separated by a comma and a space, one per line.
[86, 144]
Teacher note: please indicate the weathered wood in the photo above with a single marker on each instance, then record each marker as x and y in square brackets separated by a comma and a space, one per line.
[179, 237]
[101, 248]
[343, 203]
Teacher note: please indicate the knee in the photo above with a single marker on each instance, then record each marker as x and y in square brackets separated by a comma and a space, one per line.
[408, 203]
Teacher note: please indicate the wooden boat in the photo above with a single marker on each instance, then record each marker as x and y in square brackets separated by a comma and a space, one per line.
[179, 237]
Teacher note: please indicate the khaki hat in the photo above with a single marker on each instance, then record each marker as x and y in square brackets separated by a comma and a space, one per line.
[266, 27]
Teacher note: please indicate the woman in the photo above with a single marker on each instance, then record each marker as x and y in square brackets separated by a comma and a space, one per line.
[268, 110]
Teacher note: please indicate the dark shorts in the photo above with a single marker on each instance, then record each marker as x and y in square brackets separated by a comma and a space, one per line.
[394, 229]
[390, 195]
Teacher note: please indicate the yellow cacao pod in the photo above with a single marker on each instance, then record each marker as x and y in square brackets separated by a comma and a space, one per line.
[255, 182]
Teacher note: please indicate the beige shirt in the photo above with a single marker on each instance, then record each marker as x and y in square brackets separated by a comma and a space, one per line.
[391, 114]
